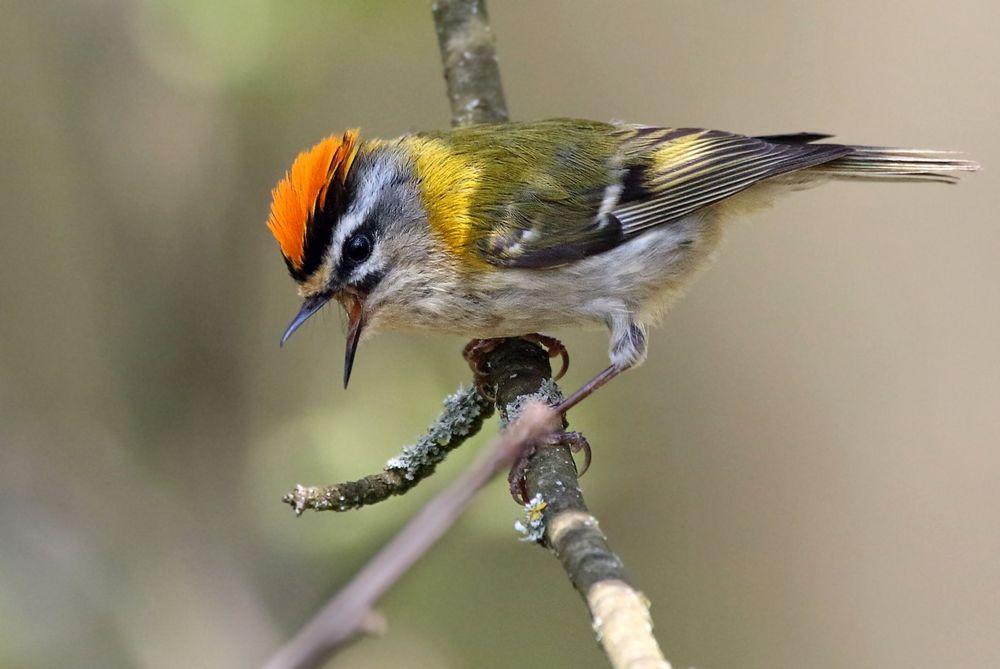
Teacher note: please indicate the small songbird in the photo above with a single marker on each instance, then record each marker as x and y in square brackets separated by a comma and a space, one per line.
[508, 229]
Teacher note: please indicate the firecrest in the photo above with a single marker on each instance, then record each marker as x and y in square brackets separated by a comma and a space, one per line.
[507, 229]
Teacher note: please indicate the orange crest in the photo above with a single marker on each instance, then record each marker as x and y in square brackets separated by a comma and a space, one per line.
[303, 190]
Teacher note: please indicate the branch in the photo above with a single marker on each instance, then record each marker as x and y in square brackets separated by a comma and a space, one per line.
[351, 612]
[461, 419]
[521, 373]
[470, 62]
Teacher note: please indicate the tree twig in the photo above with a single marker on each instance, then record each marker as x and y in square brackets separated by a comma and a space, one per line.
[350, 613]
[470, 62]
[462, 418]
[521, 373]
[520, 370]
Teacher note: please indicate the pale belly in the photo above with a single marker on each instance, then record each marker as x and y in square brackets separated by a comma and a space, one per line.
[637, 280]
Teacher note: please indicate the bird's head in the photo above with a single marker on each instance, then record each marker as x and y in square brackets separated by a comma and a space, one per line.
[382, 227]
[331, 254]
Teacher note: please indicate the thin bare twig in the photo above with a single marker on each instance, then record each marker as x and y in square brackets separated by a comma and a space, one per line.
[349, 613]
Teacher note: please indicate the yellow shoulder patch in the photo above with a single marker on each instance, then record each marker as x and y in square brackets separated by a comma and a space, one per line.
[449, 183]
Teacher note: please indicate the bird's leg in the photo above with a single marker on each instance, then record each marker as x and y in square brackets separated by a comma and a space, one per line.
[588, 388]
[628, 349]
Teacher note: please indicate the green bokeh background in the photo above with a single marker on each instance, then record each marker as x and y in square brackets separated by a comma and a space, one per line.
[803, 474]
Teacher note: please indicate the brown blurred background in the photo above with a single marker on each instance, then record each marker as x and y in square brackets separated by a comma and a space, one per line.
[803, 474]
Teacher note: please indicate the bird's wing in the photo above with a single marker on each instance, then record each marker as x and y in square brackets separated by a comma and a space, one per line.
[546, 184]
[586, 195]
[676, 171]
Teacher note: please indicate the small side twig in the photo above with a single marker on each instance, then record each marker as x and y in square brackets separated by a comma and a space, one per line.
[463, 417]
[350, 613]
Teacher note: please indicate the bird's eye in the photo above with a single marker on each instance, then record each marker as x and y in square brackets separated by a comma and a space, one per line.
[358, 248]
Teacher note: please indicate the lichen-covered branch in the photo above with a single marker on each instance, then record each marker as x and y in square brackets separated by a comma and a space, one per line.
[463, 416]
[519, 370]
[351, 612]
[470, 62]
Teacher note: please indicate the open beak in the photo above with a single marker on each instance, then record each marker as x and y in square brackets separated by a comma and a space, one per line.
[309, 307]
[355, 323]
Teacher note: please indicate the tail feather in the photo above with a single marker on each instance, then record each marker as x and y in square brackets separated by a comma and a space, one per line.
[876, 162]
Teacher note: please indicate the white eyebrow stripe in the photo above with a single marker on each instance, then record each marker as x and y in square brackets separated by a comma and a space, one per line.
[376, 179]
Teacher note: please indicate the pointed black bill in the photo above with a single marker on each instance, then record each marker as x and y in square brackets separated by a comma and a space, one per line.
[309, 307]
[355, 324]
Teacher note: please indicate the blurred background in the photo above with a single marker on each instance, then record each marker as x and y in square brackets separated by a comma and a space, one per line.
[804, 474]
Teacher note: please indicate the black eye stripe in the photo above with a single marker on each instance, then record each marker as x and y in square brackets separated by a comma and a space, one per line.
[320, 229]
[368, 283]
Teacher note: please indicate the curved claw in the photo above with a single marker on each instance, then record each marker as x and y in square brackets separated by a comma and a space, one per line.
[553, 347]
[515, 478]
[576, 442]
[565, 364]
[475, 355]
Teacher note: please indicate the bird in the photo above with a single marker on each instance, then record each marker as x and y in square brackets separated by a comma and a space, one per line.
[506, 229]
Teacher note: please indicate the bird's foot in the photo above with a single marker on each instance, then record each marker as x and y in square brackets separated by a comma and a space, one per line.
[475, 353]
[574, 440]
